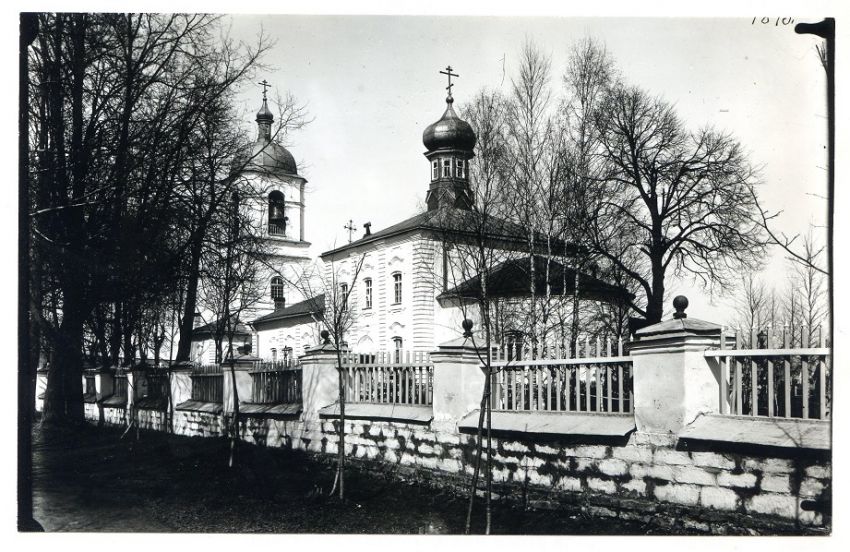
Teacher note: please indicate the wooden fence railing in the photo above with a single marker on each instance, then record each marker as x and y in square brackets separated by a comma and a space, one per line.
[780, 374]
[158, 385]
[393, 377]
[120, 386]
[91, 388]
[207, 383]
[598, 378]
[276, 382]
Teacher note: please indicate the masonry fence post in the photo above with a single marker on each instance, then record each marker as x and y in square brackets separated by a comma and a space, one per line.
[458, 383]
[673, 381]
[242, 365]
[180, 388]
[319, 380]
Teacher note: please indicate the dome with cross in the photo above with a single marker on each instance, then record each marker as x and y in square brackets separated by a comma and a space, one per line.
[450, 132]
[265, 154]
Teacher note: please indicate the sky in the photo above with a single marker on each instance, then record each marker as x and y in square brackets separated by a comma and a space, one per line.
[371, 84]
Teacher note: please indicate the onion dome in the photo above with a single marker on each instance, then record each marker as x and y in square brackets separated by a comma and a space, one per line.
[266, 155]
[450, 132]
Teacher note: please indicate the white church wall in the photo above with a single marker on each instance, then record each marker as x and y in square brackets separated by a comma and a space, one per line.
[298, 334]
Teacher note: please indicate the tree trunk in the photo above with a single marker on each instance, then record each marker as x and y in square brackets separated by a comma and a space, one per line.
[188, 319]
[341, 431]
[655, 301]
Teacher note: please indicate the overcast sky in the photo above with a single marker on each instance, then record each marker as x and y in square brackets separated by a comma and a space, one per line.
[372, 85]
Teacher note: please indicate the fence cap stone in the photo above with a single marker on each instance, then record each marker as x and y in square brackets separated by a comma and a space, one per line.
[184, 366]
[322, 348]
[680, 325]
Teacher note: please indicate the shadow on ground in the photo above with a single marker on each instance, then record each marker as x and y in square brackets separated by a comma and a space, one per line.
[91, 479]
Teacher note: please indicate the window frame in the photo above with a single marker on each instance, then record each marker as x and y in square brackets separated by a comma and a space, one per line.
[447, 167]
[460, 168]
[367, 294]
[277, 290]
[398, 289]
[343, 290]
[435, 170]
[398, 348]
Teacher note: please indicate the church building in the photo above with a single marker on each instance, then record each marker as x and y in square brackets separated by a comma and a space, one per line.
[411, 292]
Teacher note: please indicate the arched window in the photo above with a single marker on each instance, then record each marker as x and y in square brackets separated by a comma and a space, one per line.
[278, 292]
[367, 284]
[277, 214]
[397, 287]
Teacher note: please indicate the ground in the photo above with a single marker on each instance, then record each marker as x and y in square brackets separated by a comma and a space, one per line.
[92, 479]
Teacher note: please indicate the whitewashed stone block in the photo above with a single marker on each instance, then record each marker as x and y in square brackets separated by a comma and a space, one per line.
[678, 494]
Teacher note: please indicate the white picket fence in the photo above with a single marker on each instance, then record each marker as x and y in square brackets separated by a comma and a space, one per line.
[775, 373]
[389, 377]
[594, 375]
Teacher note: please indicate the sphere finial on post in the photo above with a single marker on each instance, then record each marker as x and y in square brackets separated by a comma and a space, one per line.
[680, 303]
[467, 327]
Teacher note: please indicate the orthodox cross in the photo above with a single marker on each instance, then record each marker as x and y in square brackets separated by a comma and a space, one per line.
[351, 228]
[265, 85]
[449, 74]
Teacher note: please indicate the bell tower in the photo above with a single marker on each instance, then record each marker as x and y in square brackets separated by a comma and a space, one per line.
[271, 172]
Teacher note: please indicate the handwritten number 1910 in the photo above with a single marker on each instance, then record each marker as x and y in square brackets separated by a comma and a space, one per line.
[775, 20]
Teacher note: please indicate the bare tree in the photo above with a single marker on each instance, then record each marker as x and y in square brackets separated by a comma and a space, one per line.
[684, 200]
[327, 288]
[122, 96]
[231, 284]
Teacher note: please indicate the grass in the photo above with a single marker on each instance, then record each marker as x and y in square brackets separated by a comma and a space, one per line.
[91, 479]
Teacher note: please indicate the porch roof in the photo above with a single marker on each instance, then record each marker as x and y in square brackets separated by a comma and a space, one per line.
[511, 279]
[315, 305]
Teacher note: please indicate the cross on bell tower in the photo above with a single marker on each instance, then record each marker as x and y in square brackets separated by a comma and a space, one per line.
[448, 73]
[265, 84]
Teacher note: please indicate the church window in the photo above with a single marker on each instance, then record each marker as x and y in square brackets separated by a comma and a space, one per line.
[277, 289]
[447, 167]
[397, 287]
[398, 344]
[277, 214]
[367, 283]
[435, 170]
[460, 169]
[343, 296]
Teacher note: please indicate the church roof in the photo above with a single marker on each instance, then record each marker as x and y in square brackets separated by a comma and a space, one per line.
[316, 305]
[449, 133]
[267, 157]
[207, 331]
[511, 279]
[461, 225]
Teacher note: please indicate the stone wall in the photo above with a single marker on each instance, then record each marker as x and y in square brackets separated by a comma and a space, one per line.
[721, 493]
[91, 412]
[114, 416]
[197, 424]
[156, 420]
